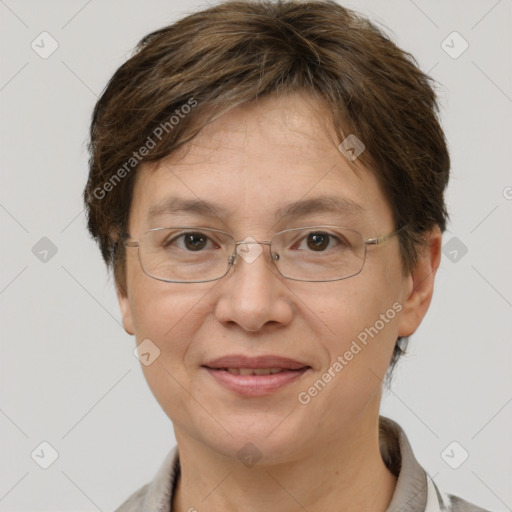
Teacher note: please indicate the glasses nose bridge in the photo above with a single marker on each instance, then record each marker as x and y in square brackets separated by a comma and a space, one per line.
[234, 257]
[262, 242]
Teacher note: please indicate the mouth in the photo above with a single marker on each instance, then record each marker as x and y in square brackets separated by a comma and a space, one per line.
[270, 362]
[256, 382]
[257, 371]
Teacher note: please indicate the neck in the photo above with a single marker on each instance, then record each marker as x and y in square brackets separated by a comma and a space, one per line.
[343, 474]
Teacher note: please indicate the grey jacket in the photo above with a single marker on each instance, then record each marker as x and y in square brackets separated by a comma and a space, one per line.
[415, 491]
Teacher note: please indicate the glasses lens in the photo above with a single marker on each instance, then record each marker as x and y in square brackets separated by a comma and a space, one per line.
[319, 253]
[185, 255]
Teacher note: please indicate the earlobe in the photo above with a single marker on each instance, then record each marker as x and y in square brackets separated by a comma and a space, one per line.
[126, 311]
[420, 284]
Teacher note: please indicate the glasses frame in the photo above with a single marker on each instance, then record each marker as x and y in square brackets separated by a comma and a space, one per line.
[232, 260]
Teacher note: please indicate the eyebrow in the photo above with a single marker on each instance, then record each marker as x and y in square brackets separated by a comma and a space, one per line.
[320, 204]
[300, 208]
[178, 204]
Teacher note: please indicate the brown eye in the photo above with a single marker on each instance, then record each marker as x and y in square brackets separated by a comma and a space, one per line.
[318, 241]
[188, 242]
[195, 241]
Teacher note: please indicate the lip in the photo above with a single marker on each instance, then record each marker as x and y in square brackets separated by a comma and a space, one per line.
[268, 361]
[256, 385]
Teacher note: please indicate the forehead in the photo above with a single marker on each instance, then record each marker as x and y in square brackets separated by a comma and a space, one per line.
[274, 159]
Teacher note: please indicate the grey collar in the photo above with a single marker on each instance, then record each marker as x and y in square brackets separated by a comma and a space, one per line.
[411, 487]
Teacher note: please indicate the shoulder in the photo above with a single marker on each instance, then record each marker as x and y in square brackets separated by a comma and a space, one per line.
[415, 490]
[456, 504]
[439, 501]
[156, 495]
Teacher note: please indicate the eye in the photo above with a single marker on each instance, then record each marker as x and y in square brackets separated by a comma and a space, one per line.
[318, 241]
[192, 241]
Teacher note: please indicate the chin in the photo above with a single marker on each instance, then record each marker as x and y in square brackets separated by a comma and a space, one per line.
[262, 440]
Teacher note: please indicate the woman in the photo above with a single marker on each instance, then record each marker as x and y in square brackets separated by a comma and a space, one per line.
[266, 182]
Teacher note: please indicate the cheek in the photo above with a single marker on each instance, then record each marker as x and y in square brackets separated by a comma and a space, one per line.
[359, 324]
[358, 342]
[356, 305]
[169, 314]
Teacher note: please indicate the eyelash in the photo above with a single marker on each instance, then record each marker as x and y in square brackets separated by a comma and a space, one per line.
[180, 236]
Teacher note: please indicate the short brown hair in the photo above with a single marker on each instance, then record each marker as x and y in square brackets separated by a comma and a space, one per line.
[231, 54]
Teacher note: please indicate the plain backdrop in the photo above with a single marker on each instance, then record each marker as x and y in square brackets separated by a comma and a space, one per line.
[68, 374]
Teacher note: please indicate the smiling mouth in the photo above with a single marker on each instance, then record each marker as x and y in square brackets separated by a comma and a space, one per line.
[254, 382]
[258, 371]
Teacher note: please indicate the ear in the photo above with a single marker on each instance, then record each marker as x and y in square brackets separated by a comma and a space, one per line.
[126, 311]
[420, 284]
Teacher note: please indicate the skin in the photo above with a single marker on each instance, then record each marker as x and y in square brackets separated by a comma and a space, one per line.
[321, 456]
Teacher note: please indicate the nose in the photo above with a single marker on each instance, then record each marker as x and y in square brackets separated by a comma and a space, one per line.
[253, 295]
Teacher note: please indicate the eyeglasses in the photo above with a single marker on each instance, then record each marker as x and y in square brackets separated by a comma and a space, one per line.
[199, 255]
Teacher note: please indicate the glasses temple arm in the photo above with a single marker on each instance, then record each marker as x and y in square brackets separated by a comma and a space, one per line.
[384, 238]
[128, 243]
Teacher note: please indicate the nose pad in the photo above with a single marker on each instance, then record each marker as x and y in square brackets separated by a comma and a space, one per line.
[249, 249]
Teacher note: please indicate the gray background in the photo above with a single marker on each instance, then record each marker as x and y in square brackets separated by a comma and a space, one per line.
[68, 374]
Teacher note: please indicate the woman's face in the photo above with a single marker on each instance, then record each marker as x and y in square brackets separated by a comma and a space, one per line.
[252, 163]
